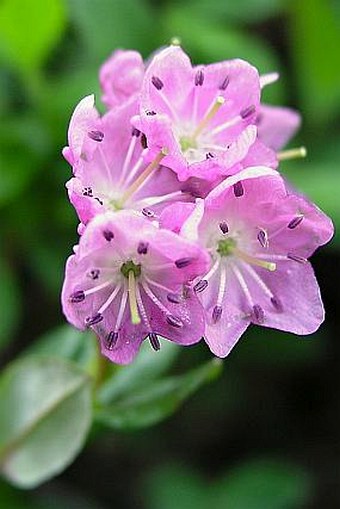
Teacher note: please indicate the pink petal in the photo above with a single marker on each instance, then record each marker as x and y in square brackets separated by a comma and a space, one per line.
[84, 118]
[296, 290]
[277, 125]
[173, 68]
[223, 336]
[121, 77]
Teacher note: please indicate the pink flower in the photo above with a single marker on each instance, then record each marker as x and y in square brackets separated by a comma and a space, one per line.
[259, 237]
[204, 115]
[128, 280]
[121, 77]
[112, 168]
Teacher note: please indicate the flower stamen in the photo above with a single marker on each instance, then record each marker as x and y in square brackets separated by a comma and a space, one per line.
[243, 115]
[271, 266]
[144, 175]
[135, 318]
[208, 116]
[294, 153]
[128, 157]
[109, 300]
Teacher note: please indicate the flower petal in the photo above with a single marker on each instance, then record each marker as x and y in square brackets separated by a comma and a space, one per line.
[299, 307]
[121, 77]
[221, 337]
[84, 118]
[277, 125]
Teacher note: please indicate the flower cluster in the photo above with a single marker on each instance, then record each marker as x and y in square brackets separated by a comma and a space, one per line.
[187, 229]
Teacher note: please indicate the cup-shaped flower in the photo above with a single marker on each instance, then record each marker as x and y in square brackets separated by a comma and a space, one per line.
[259, 237]
[129, 280]
[205, 115]
[122, 77]
[112, 167]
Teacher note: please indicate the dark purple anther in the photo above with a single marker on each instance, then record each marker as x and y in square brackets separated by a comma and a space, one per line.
[87, 191]
[258, 313]
[108, 235]
[93, 320]
[247, 112]
[183, 262]
[174, 298]
[200, 286]
[135, 132]
[295, 222]
[142, 247]
[174, 321]
[76, 297]
[96, 135]
[111, 340]
[217, 313]
[224, 83]
[209, 155]
[154, 341]
[157, 82]
[199, 78]
[150, 113]
[148, 212]
[144, 141]
[277, 304]
[296, 258]
[224, 227]
[94, 273]
[262, 237]
[238, 189]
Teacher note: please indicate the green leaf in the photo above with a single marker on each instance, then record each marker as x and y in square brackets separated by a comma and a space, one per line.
[147, 366]
[314, 48]
[46, 415]
[10, 303]
[218, 42]
[105, 25]
[68, 343]
[263, 484]
[152, 402]
[29, 29]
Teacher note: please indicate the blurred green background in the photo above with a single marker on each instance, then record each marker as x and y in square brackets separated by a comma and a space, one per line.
[266, 434]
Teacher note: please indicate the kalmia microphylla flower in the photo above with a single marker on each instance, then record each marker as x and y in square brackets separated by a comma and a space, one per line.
[112, 169]
[150, 261]
[121, 77]
[259, 241]
[200, 113]
[128, 280]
